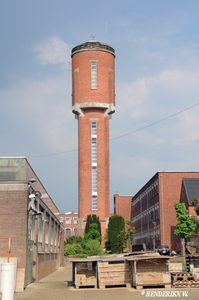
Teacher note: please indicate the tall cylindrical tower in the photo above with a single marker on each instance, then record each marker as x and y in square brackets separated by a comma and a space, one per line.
[93, 100]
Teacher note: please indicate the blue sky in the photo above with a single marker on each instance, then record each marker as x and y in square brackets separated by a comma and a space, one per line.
[157, 76]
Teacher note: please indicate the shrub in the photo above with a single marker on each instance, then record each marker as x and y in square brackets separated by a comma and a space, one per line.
[93, 233]
[73, 249]
[93, 247]
[73, 239]
[90, 220]
[115, 237]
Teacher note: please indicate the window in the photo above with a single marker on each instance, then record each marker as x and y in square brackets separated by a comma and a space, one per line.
[40, 226]
[46, 231]
[94, 150]
[93, 128]
[94, 202]
[68, 232]
[67, 220]
[93, 75]
[52, 235]
[61, 220]
[55, 245]
[75, 220]
[94, 163]
[94, 179]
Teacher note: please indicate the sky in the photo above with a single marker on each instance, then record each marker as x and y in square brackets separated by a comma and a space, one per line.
[156, 123]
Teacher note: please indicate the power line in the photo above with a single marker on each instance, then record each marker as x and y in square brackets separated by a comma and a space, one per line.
[120, 136]
[57, 153]
[154, 123]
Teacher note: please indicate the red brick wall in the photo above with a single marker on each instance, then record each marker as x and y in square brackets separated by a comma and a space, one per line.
[169, 192]
[13, 224]
[81, 79]
[71, 226]
[170, 184]
[85, 166]
[122, 206]
[48, 263]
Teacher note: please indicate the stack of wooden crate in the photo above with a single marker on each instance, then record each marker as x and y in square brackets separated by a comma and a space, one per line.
[85, 274]
[148, 271]
[113, 273]
[184, 279]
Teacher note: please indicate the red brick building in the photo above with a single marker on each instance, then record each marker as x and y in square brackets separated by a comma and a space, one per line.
[153, 212]
[122, 206]
[93, 100]
[190, 191]
[69, 221]
[27, 216]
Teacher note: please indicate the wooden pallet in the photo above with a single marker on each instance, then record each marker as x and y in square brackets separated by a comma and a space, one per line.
[144, 286]
[184, 279]
[85, 286]
[185, 284]
[111, 285]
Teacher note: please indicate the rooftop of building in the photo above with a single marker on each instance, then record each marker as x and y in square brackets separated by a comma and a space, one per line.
[191, 186]
[16, 169]
[92, 45]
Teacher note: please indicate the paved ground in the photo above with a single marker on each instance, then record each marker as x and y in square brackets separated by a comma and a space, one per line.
[56, 287]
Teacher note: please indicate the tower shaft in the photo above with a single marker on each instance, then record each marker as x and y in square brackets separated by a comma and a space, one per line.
[93, 100]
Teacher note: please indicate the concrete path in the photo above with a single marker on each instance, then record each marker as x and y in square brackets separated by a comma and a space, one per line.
[56, 287]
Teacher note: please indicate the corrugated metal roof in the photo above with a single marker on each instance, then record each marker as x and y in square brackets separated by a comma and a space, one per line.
[191, 186]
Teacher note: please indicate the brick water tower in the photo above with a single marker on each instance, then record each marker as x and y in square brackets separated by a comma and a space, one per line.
[93, 101]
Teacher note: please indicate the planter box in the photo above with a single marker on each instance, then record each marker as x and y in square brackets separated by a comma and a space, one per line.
[149, 271]
[84, 273]
[113, 273]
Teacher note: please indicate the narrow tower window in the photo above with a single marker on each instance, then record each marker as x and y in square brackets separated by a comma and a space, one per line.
[94, 163]
[94, 151]
[93, 75]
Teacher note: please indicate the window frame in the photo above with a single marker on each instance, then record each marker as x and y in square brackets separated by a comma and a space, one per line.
[94, 75]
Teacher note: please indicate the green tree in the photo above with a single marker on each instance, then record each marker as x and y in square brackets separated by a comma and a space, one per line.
[185, 226]
[93, 247]
[73, 239]
[195, 219]
[93, 233]
[74, 245]
[90, 220]
[195, 203]
[115, 234]
[129, 232]
[73, 249]
[83, 247]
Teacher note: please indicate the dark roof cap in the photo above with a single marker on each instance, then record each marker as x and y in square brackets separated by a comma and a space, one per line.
[93, 45]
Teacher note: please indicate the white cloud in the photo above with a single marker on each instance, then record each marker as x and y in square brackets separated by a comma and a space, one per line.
[151, 99]
[132, 96]
[52, 51]
[44, 110]
[189, 125]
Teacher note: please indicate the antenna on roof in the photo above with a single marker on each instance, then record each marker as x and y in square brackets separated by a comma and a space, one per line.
[92, 37]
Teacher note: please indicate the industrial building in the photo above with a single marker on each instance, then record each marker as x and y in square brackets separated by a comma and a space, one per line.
[30, 233]
[153, 212]
[122, 205]
[69, 221]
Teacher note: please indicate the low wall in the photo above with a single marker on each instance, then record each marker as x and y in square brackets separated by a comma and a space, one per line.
[47, 264]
